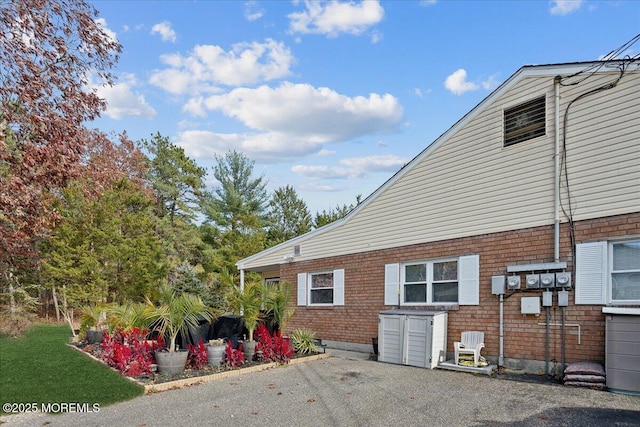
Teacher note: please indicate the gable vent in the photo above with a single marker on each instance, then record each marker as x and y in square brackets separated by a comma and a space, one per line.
[296, 250]
[525, 121]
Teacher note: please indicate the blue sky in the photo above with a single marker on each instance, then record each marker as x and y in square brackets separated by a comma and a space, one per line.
[332, 97]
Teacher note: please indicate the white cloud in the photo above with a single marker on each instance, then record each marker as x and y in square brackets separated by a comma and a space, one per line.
[387, 163]
[102, 23]
[427, 2]
[325, 172]
[253, 11]
[320, 114]
[564, 7]
[165, 31]
[354, 167]
[266, 147]
[316, 187]
[208, 66]
[122, 101]
[458, 84]
[335, 17]
[290, 121]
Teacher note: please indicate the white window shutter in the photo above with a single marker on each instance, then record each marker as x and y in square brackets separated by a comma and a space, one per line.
[338, 287]
[392, 284]
[469, 280]
[591, 273]
[302, 288]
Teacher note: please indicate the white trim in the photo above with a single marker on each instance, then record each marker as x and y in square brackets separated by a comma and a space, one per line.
[621, 310]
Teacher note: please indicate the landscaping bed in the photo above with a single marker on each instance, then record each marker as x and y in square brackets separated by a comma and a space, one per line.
[157, 382]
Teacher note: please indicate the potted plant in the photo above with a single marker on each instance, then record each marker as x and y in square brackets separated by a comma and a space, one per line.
[93, 319]
[172, 315]
[247, 302]
[215, 351]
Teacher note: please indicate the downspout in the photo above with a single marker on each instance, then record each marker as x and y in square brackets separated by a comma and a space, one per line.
[501, 351]
[556, 208]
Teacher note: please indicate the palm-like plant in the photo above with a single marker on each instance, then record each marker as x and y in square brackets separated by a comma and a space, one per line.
[92, 316]
[247, 303]
[278, 303]
[127, 316]
[175, 312]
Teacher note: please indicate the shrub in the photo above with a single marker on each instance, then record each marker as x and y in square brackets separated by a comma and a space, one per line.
[233, 358]
[129, 351]
[272, 348]
[303, 341]
[198, 355]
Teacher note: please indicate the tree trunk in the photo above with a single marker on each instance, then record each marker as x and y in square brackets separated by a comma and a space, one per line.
[55, 302]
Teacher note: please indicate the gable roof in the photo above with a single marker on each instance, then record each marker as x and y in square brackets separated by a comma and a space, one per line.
[565, 69]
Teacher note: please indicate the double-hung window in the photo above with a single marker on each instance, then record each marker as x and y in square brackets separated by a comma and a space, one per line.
[608, 272]
[429, 282]
[321, 288]
[625, 272]
[451, 281]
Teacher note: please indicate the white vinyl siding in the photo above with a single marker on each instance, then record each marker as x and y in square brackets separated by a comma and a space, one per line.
[467, 183]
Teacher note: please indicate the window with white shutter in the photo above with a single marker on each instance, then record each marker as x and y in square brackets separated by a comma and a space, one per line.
[441, 282]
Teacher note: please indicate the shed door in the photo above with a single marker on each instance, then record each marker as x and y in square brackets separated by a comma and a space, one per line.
[390, 338]
[623, 353]
[417, 340]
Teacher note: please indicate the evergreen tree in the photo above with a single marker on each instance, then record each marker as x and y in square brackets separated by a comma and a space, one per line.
[288, 216]
[326, 217]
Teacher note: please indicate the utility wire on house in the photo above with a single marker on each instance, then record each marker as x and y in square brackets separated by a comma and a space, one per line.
[611, 60]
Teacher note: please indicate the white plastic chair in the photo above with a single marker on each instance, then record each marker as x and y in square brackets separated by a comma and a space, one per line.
[471, 342]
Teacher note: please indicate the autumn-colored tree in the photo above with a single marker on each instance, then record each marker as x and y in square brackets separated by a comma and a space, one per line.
[48, 52]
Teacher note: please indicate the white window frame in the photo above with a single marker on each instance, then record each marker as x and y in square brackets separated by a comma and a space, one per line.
[611, 272]
[305, 290]
[428, 281]
[594, 273]
[311, 289]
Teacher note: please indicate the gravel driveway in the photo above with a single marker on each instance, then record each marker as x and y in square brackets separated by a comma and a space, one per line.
[345, 392]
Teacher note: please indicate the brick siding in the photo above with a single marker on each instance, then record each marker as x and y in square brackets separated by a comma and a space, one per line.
[524, 337]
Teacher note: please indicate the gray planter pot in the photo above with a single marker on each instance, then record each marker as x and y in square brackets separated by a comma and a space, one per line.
[171, 363]
[94, 337]
[249, 349]
[215, 354]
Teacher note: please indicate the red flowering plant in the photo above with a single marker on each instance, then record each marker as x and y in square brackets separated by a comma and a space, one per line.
[198, 355]
[233, 358]
[272, 348]
[129, 351]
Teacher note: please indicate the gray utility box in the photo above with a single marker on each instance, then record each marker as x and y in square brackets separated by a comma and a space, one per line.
[623, 349]
[412, 337]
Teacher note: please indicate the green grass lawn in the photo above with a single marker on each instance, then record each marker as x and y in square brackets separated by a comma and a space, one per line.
[39, 367]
